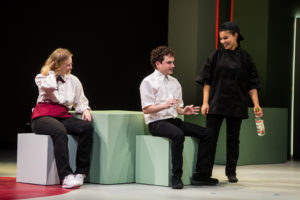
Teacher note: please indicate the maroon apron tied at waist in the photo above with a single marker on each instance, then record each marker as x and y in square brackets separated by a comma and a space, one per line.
[50, 109]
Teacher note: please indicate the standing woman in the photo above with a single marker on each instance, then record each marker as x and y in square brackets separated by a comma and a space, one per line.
[59, 91]
[229, 76]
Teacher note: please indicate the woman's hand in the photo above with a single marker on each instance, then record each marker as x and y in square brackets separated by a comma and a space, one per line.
[86, 115]
[258, 111]
[254, 97]
[204, 109]
[45, 70]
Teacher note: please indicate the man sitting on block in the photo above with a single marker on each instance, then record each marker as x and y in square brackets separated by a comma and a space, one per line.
[161, 98]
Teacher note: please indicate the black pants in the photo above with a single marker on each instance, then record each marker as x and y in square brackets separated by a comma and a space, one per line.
[233, 125]
[58, 128]
[176, 130]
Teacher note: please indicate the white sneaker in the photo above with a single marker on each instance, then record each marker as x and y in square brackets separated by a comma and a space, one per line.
[80, 178]
[70, 182]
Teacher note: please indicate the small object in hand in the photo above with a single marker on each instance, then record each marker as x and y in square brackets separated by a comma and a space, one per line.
[260, 127]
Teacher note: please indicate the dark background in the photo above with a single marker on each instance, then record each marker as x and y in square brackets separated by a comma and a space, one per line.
[110, 42]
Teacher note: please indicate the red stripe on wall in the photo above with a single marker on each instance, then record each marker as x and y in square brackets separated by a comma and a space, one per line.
[217, 25]
[231, 11]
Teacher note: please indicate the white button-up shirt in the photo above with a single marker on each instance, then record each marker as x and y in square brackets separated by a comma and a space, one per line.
[156, 89]
[70, 93]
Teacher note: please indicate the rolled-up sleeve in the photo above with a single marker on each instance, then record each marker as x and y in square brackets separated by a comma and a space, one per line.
[147, 94]
[81, 102]
[46, 82]
[205, 76]
[253, 81]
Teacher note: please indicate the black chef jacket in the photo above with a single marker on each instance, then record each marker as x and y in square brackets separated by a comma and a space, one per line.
[230, 74]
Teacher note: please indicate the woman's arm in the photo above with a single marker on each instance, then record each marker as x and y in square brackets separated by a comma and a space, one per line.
[81, 103]
[254, 97]
[205, 105]
[46, 82]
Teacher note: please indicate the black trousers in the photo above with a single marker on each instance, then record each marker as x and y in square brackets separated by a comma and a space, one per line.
[58, 128]
[176, 130]
[233, 125]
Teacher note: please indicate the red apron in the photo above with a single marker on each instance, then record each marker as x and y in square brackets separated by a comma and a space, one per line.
[50, 109]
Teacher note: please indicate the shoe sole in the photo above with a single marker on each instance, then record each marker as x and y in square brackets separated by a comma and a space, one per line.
[70, 187]
[177, 186]
[232, 179]
[203, 183]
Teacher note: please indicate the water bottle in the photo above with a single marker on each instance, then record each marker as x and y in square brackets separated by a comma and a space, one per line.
[260, 127]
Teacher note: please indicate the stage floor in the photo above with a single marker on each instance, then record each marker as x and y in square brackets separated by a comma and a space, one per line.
[271, 181]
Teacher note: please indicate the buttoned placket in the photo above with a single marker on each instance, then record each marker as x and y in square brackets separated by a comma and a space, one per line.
[171, 95]
[60, 90]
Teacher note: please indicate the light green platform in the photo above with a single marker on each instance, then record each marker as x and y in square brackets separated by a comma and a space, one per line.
[271, 148]
[153, 160]
[113, 154]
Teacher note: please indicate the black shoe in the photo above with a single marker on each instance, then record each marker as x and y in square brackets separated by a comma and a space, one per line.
[176, 183]
[232, 178]
[203, 180]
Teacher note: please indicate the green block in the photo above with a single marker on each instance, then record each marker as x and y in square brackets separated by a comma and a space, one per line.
[153, 160]
[113, 154]
[268, 149]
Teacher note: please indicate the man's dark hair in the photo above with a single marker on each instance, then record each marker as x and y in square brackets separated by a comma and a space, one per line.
[158, 54]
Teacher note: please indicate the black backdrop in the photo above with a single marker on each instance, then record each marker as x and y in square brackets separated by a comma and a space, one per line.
[110, 41]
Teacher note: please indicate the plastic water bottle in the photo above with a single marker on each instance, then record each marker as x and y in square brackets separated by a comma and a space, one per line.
[260, 126]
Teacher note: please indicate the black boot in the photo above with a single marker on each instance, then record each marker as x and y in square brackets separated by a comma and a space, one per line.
[176, 183]
[232, 178]
[199, 179]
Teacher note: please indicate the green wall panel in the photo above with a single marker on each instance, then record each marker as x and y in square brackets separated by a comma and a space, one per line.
[253, 18]
[271, 148]
[192, 36]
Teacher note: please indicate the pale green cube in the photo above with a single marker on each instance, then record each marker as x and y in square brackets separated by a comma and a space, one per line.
[153, 160]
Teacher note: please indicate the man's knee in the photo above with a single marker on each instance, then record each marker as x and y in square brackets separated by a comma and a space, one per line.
[178, 137]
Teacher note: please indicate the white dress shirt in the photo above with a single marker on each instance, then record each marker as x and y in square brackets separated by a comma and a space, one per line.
[70, 93]
[156, 89]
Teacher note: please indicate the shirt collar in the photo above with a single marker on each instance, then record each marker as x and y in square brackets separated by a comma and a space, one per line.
[64, 77]
[160, 75]
[235, 51]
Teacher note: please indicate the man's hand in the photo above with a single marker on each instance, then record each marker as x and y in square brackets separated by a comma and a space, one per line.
[191, 110]
[171, 103]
